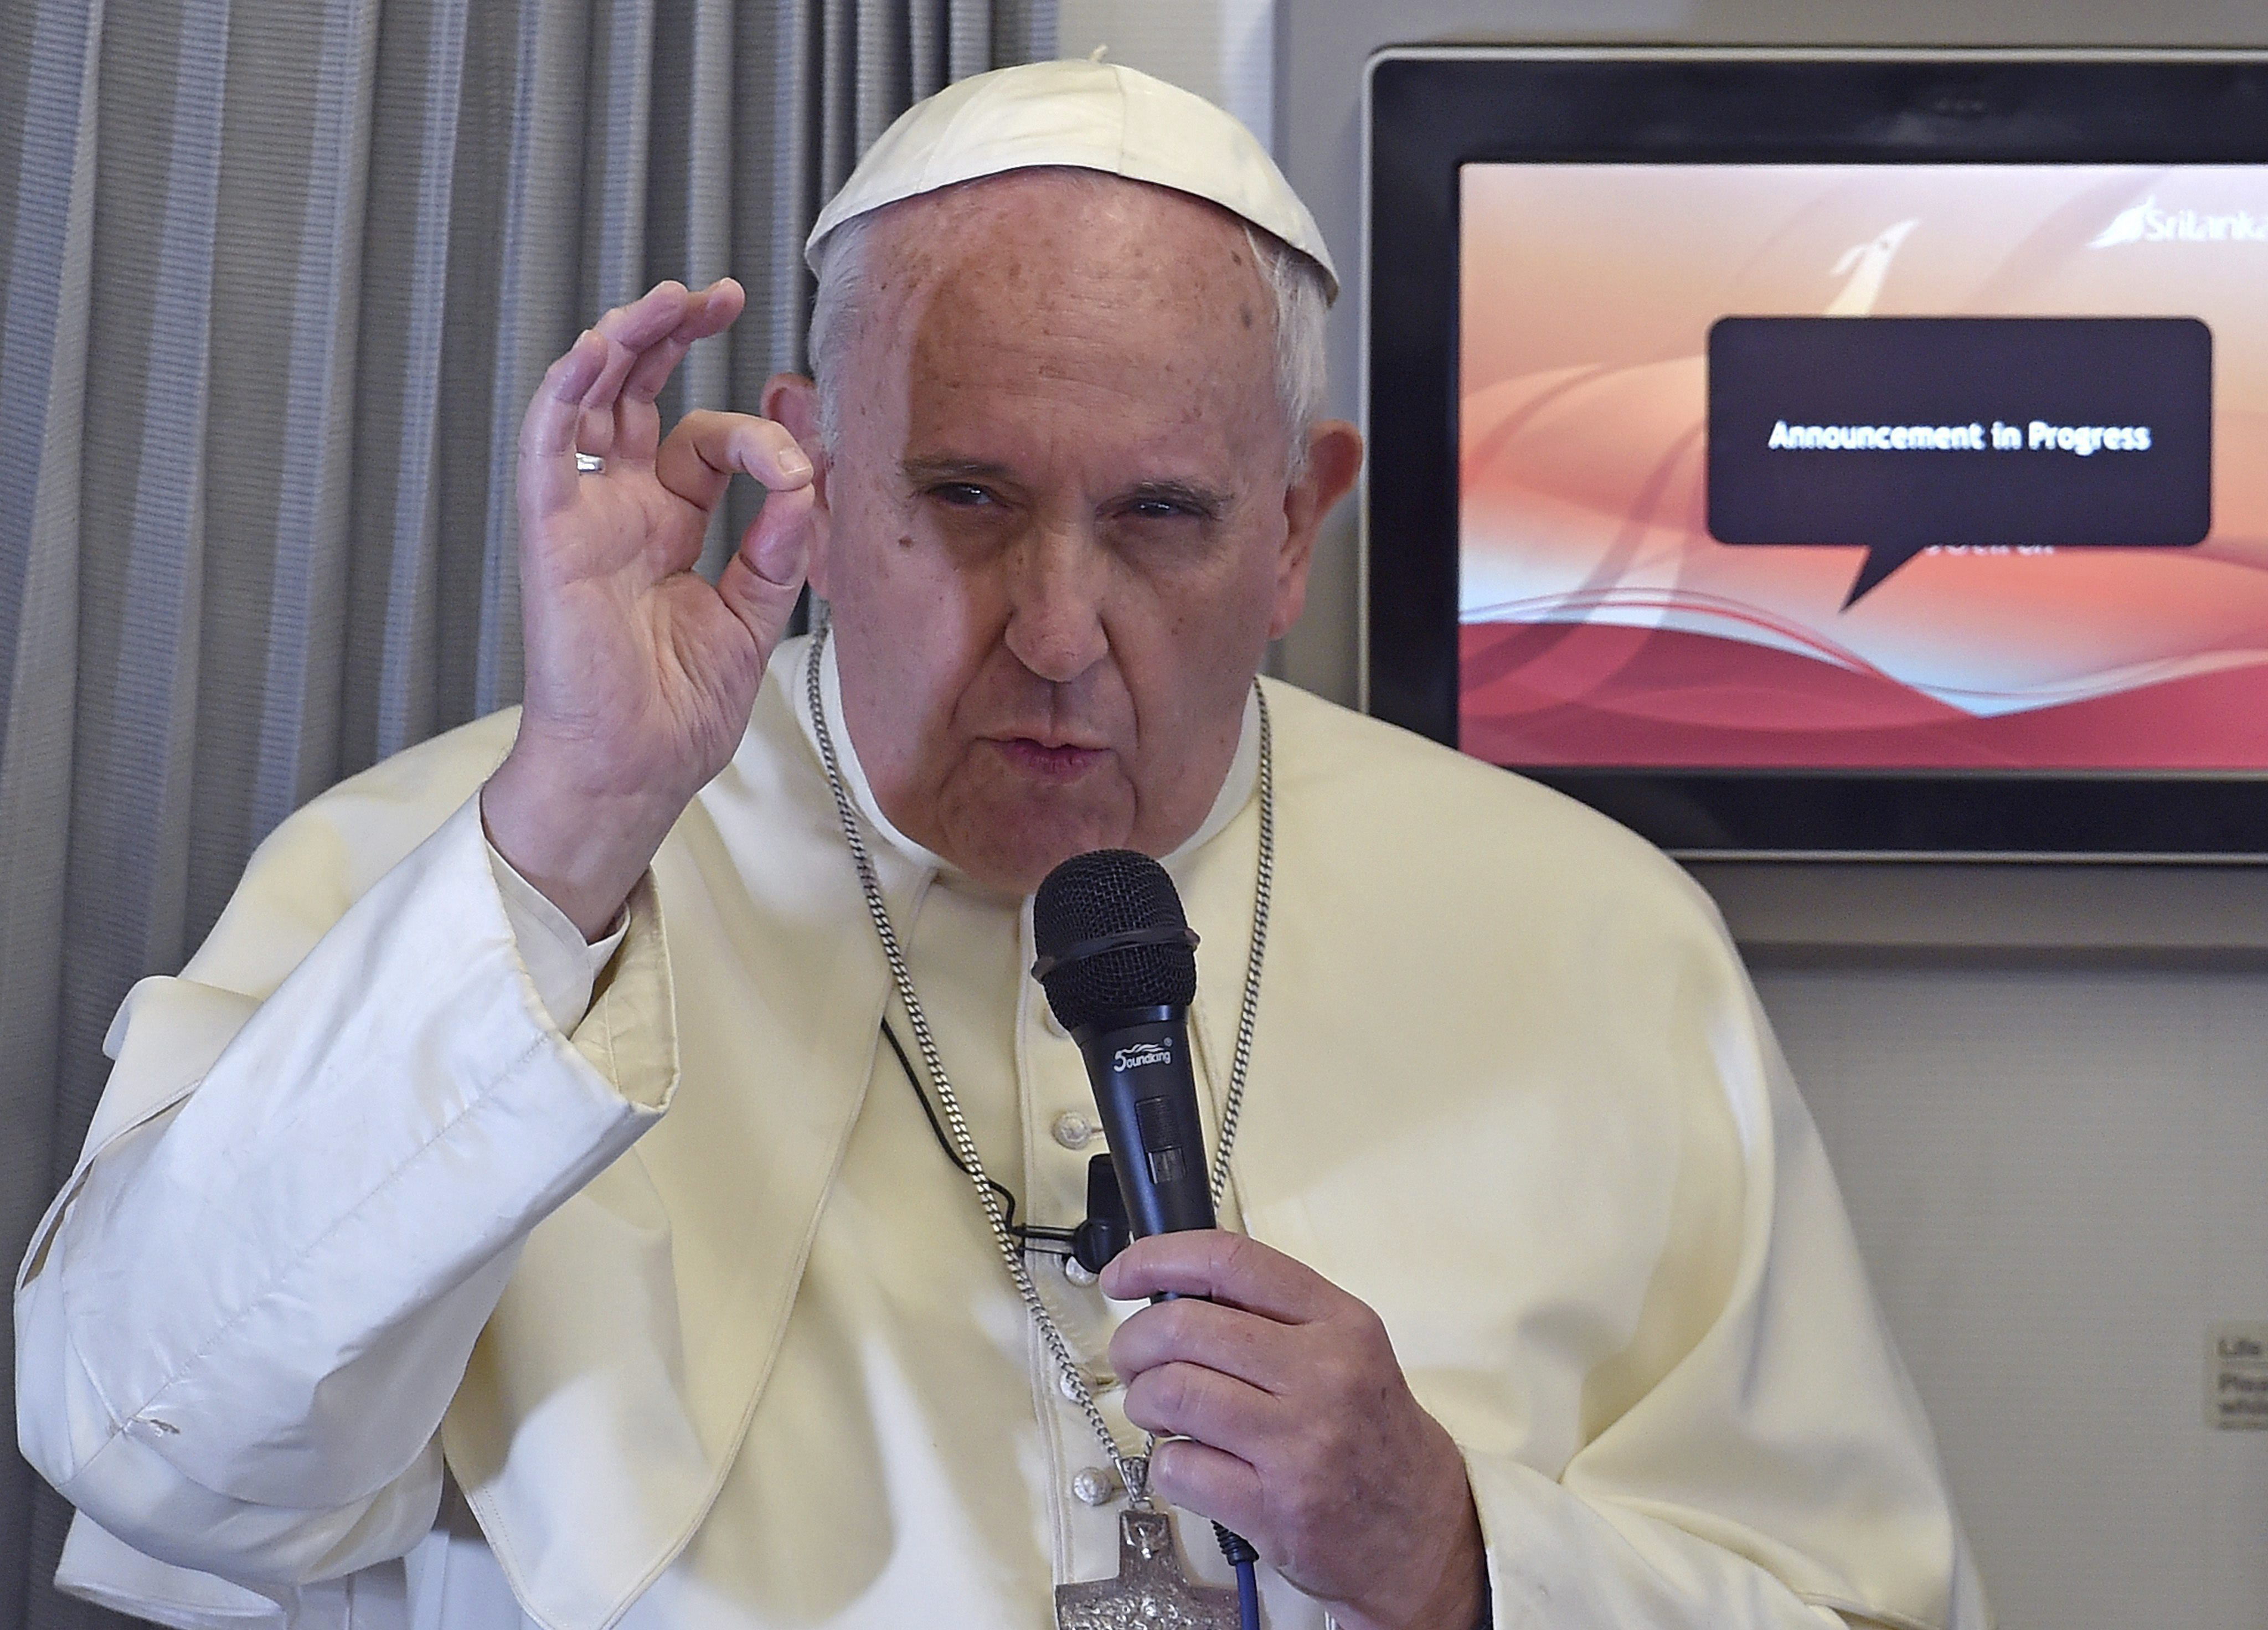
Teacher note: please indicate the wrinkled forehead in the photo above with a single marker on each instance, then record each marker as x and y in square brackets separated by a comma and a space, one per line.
[1054, 269]
[1039, 234]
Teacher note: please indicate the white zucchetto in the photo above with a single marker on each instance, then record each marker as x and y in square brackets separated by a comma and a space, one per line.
[1085, 115]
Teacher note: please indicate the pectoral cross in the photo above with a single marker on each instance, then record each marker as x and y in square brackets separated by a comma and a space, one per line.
[1151, 1592]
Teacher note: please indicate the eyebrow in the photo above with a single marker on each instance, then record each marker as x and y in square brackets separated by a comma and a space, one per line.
[922, 471]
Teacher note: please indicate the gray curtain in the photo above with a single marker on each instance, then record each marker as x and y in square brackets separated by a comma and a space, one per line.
[275, 279]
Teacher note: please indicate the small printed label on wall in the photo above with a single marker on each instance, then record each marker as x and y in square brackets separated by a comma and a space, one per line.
[2237, 1377]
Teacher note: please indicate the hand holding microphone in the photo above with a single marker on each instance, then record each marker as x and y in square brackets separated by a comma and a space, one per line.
[1292, 1420]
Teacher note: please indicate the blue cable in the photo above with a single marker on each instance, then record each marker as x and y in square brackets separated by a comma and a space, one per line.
[1241, 1556]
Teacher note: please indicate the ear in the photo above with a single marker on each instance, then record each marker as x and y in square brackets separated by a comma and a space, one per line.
[791, 401]
[1334, 460]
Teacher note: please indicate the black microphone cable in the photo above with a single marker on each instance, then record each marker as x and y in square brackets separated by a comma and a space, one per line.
[1055, 1241]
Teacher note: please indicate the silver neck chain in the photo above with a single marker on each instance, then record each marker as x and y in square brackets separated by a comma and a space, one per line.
[1133, 1470]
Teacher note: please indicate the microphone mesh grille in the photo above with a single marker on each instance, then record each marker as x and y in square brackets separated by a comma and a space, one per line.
[1103, 892]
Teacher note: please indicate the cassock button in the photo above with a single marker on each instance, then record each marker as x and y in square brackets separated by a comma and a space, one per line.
[1078, 1272]
[1097, 1381]
[1095, 1486]
[1073, 1129]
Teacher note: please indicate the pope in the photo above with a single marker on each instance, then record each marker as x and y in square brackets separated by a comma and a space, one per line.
[527, 1207]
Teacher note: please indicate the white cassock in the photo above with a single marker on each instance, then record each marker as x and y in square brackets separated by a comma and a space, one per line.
[381, 1296]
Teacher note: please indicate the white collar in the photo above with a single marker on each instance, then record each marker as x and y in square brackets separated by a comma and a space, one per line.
[1236, 787]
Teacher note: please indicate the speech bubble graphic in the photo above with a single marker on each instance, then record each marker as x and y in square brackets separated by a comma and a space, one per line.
[1901, 434]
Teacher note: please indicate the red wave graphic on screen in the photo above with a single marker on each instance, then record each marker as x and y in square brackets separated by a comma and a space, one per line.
[1609, 696]
[1715, 617]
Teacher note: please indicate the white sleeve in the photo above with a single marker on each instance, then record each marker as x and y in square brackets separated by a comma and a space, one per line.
[1781, 1475]
[564, 965]
[241, 1322]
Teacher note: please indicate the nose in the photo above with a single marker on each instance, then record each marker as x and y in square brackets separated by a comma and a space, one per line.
[1057, 577]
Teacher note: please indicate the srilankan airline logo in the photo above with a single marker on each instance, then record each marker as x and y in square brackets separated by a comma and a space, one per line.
[1142, 1054]
[2145, 223]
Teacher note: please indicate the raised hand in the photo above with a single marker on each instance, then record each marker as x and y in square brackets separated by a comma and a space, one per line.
[640, 675]
[1294, 1427]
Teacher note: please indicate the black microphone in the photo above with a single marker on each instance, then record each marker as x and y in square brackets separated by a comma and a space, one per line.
[1118, 961]
[1119, 964]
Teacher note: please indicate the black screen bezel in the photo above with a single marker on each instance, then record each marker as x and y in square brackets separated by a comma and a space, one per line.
[1430, 111]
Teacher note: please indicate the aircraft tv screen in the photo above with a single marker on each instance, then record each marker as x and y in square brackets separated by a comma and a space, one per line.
[1861, 454]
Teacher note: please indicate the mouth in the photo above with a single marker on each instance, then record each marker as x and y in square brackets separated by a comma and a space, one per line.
[1055, 761]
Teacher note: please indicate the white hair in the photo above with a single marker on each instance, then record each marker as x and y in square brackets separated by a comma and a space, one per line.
[1301, 299]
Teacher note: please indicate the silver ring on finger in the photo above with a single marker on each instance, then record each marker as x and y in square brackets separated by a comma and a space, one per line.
[589, 463]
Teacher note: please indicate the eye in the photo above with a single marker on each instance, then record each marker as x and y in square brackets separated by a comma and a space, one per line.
[1171, 503]
[1161, 510]
[962, 494]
